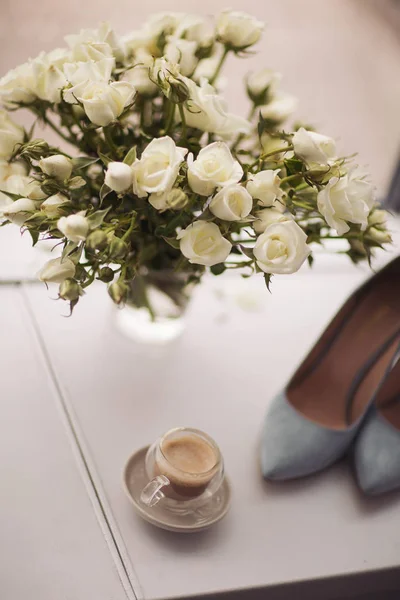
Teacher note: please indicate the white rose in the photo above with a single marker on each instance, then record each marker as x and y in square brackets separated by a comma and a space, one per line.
[270, 143]
[106, 34]
[94, 44]
[268, 216]
[168, 78]
[174, 199]
[91, 51]
[21, 185]
[264, 186]
[57, 270]
[58, 166]
[74, 227]
[103, 102]
[33, 190]
[5, 201]
[380, 235]
[11, 134]
[14, 180]
[139, 40]
[231, 203]
[163, 22]
[207, 111]
[158, 167]
[206, 69]
[195, 29]
[10, 170]
[52, 204]
[48, 74]
[378, 217]
[160, 201]
[182, 52]
[138, 76]
[280, 108]
[203, 244]
[312, 147]
[18, 86]
[259, 82]
[348, 199]
[214, 167]
[238, 29]
[79, 74]
[282, 248]
[19, 211]
[119, 176]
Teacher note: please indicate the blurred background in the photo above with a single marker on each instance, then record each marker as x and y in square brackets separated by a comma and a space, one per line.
[341, 58]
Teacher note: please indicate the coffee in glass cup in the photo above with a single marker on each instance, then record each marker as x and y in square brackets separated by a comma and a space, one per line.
[185, 467]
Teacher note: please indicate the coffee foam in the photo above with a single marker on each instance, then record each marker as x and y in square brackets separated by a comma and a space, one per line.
[187, 460]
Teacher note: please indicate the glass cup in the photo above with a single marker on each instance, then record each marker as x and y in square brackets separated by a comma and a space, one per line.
[185, 469]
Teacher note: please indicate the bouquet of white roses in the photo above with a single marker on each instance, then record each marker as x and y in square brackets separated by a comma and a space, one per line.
[157, 177]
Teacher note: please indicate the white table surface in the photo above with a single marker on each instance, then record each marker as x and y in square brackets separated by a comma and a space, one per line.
[240, 346]
[53, 537]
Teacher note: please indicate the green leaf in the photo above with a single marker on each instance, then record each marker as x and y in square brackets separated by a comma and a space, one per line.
[173, 242]
[246, 251]
[105, 190]
[293, 166]
[76, 254]
[81, 162]
[310, 259]
[262, 125]
[105, 159]
[34, 236]
[206, 215]
[97, 218]
[131, 156]
[267, 279]
[76, 183]
[69, 248]
[218, 269]
[12, 196]
[29, 134]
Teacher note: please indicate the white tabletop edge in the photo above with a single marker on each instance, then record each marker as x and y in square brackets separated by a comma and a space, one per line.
[86, 469]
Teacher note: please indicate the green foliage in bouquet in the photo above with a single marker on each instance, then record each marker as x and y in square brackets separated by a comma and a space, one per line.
[156, 176]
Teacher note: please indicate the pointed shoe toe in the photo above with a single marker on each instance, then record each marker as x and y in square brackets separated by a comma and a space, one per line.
[377, 457]
[377, 448]
[293, 446]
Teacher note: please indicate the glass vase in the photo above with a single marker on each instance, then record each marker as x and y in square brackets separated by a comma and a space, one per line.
[155, 311]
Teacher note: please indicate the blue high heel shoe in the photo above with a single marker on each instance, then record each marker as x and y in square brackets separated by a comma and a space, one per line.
[312, 423]
[377, 447]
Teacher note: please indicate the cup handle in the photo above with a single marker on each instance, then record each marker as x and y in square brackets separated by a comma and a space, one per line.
[152, 493]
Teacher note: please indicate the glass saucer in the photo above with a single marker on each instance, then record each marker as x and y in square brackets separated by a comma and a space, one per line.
[135, 479]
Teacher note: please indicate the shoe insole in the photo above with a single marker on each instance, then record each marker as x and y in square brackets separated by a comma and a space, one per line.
[322, 395]
[388, 400]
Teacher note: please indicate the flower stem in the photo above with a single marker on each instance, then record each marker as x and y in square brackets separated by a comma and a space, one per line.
[170, 117]
[242, 135]
[58, 131]
[291, 177]
[132, 225]
[262, 157]
[183, 118]
[110, 141]
[90, 280]
[219, 66]
[239, 265]
[144, 296]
